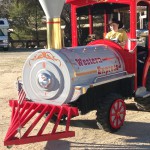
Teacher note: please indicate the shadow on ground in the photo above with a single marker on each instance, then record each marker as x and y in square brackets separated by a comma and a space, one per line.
[66, 145]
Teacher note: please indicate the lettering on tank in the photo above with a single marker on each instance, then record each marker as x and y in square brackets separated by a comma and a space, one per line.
[91, 61]
[102, 69]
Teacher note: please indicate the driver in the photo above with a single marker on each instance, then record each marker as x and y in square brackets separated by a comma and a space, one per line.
[117, 34]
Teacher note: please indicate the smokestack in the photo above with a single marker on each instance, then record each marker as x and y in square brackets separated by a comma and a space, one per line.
[53, 9]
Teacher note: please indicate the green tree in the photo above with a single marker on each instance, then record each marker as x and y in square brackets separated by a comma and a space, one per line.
[4, 8]
[26, 18]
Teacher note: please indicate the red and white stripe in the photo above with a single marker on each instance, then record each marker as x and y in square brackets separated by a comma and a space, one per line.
[21, 96]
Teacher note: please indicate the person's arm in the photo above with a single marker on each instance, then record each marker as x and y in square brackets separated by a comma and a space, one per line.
[107, 36]
[124, 39]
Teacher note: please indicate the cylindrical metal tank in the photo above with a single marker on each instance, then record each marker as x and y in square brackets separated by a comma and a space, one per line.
[57, 77]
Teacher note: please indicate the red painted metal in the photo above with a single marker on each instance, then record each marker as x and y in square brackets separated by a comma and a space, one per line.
[106, 23]
[117, 113]
[90, 21]
[29, 112]
[133, 67]
[80, 3]
[74, 26]
[91, 2]
[147, 63]
[128, 57]
[107, 42]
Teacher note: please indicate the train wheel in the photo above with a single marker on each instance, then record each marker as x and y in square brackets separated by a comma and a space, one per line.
[111, 113]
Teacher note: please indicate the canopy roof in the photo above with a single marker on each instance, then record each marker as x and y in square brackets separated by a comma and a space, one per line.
[80, 3]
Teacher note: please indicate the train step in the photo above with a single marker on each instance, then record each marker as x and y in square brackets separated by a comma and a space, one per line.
[142, 93]
[142, 99]
[28, 124]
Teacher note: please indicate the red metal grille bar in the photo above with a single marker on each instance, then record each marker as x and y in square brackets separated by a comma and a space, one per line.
[24, 112]
[46, 121]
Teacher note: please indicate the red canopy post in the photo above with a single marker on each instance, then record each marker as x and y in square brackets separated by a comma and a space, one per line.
[90, 20]
[74, 26]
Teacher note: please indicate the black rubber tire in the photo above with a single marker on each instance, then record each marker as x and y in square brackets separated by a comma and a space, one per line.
[54, 118]
[62, 120]
[103, 112]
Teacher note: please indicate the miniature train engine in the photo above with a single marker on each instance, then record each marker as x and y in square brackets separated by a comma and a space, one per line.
[63, 81]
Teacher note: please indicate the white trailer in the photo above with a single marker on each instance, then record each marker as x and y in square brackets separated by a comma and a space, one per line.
[4, 26]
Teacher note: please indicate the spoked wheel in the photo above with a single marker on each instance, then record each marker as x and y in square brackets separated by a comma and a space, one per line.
[117, 113]
[111, 113]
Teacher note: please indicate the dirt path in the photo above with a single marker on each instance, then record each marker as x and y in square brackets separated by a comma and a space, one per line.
[135, 134]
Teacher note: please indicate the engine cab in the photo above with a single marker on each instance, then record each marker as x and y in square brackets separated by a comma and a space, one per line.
[90, 24]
